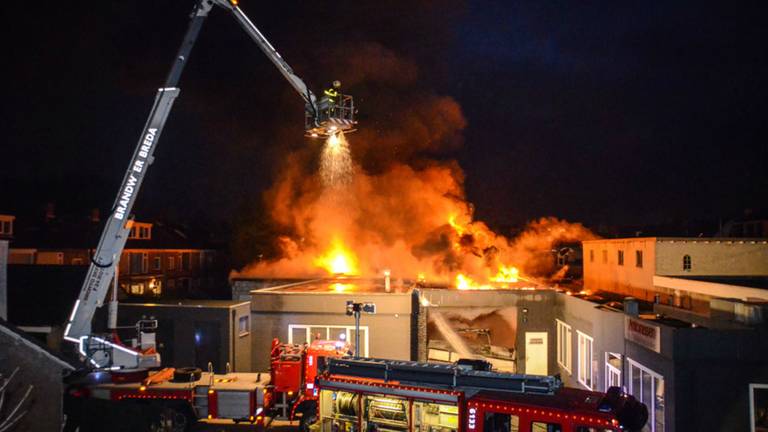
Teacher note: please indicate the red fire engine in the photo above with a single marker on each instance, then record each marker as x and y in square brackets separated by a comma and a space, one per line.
[386, 395]
[293, 371]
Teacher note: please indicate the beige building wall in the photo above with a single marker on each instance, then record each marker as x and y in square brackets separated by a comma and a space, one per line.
[604, 271]
[712, 257]
[666, 256]
[272, 312]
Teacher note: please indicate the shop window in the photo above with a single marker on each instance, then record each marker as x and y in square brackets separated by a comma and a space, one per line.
[546, 427]
[300, 333]
[585, 360]
[639, 259]
[495, 422]
[620, 257]
[564, 345]
[686, 263]
[647, 386]
[244, 325]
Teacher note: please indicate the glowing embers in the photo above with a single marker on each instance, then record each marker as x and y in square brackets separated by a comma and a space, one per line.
[338, 260]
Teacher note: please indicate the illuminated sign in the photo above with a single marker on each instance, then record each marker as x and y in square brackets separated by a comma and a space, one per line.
[643, 333]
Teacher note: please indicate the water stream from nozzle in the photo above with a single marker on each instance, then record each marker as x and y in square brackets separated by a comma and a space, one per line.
[336, 162]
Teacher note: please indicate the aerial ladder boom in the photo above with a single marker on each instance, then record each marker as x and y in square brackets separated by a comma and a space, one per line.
[102, 351]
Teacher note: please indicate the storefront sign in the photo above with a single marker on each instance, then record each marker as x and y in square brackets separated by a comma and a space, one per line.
[643, 333]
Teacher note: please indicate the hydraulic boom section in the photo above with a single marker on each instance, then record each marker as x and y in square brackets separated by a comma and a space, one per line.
[332, 113]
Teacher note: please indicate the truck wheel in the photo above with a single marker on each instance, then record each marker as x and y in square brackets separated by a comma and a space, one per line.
[308, 417]
[171, 420]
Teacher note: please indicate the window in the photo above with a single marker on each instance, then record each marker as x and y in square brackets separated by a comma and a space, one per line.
[686, 263]
[620, 257]
[158, 263]
[171, 263]
[135, 263]
[244, 325]
[300, 333]
[564, 345]
[140, 231]
[639, 259]
[612, 370]
[145, 262]
[546, 427]
[6, 226]
[648, 387]
[495, 422]
[591, 255]
[185, 261]
[137, 289]
[156, 287]
[758, 407]
[585, 360]
[605, 256]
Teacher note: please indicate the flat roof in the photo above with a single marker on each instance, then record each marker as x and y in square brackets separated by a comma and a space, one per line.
[704, 240]
[341, 285]
[204, 304]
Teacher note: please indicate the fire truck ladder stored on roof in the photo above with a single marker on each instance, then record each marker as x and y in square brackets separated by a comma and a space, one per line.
[450, 376]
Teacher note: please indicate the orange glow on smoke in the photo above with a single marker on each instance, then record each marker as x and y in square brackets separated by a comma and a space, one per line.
[338, 260]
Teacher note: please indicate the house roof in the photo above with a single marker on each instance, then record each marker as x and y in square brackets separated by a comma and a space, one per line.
[22, 337]
[84, 234]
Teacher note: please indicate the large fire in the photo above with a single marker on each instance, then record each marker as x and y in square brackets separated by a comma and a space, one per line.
[382, 203]
[338, 260]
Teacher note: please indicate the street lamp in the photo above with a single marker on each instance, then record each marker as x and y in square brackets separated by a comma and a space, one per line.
[357, 309]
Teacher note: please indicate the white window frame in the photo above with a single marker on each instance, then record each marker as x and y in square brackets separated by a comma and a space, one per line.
[247, 331]
[752, 388]
[584, 362]
[328, 328]
[639, 395]
[612, 370]
[144, 262]
[565, 360]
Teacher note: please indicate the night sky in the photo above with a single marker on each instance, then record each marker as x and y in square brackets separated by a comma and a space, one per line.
[598, 113]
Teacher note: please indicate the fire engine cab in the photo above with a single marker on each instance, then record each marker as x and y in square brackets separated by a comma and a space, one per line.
[293, 371]
[386, 395]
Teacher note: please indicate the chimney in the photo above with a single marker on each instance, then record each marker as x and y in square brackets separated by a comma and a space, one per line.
[631, 307]
[95, 215]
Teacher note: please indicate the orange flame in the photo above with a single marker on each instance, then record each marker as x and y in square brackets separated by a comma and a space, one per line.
[464, 282]
[506, 275]
[338, 260]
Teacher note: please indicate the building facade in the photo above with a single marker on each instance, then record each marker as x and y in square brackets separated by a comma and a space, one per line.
[158, 260]
[632, 266]
[194, 333]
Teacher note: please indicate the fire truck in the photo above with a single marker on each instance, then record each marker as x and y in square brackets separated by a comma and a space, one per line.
[397, 396]
[292, 392]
